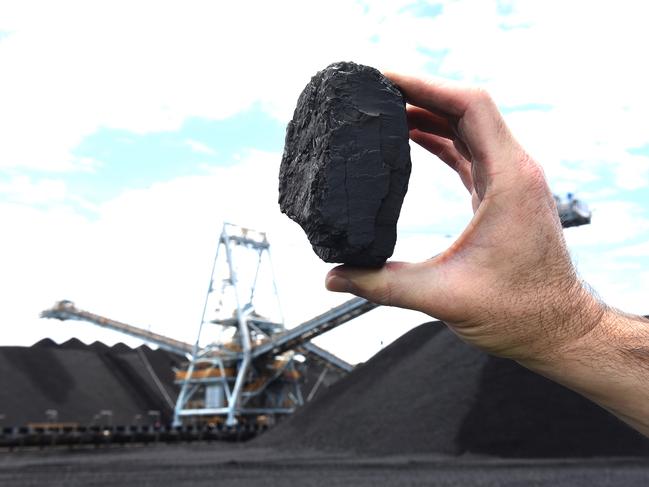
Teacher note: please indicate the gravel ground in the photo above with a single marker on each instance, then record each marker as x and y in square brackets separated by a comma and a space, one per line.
[237, 465]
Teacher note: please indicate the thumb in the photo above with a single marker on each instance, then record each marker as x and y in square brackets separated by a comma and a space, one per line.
[395, 284]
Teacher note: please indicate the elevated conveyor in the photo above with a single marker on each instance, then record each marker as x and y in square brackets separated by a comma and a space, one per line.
[327, 358]
[295, 337]
[66, 310]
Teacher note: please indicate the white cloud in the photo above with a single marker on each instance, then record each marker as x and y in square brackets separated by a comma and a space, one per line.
[69, 68]
[145, 259]
[620, 283]
[148, 66]
[22, 189]
[634, 250]
[631, 172]
[613, 223]
[73, 67]
[578, 58]
[199, 147]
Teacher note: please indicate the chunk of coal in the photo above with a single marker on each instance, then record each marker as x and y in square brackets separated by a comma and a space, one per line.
[346, 164]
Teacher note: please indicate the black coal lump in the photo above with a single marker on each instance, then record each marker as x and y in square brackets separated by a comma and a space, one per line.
[346, 164]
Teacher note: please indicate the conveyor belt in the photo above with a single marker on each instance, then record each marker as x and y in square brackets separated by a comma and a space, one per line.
[308, 330]
[65, 310]
[326, 357]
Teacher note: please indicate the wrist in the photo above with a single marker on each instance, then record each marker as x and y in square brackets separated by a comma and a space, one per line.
[585, 326]
[608, 365]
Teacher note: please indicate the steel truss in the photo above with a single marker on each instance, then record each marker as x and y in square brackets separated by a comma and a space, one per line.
[223, 379]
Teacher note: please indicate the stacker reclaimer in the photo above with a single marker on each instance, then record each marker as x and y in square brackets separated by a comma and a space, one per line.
[249, 366]
[249, 372]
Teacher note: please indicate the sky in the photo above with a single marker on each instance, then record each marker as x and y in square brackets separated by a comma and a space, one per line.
[130, 131]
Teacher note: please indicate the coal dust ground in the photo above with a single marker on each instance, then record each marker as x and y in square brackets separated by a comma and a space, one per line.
[219, 464]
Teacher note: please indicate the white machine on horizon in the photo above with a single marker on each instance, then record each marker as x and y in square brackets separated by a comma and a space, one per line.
[572, 211]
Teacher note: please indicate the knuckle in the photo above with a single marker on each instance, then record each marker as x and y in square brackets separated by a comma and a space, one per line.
[383, 295]
[444, 153]
[482, 96]
[384, 292]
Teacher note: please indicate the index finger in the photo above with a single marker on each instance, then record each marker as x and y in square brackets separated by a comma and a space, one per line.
[480, 127]
[437, 96]
[421, 119]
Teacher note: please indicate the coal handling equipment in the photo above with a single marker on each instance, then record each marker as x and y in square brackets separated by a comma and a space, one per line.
[66, 310]
[249, 368]
[572, 211]
[243, 367]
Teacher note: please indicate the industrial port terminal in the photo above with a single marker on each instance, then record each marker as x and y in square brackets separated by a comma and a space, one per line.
[245, 371]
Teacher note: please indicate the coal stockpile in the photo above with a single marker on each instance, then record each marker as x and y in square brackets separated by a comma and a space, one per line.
[346, 164]
[100, 385]
[429, 393]
[86, 384]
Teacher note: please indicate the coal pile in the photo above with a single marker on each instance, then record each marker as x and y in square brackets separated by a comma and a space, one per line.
[346, 164]
[429, 393]
[81, 383]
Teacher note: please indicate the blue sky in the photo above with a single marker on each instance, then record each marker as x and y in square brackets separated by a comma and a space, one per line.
[122, 160]
[129, 160]
[129, 132]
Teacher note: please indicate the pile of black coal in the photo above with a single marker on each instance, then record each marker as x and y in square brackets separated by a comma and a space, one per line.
[346, 164]
[429, 393]
[83, 382]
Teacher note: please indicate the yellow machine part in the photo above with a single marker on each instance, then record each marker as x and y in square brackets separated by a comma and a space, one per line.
[255, 384]
[211, 371]
[232, 346]
[291, 374]
[205, 373]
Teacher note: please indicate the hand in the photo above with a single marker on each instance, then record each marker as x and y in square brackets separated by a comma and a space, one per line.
[507, 285]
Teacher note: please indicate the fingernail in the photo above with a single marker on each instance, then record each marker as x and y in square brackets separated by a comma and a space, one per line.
[337, 284]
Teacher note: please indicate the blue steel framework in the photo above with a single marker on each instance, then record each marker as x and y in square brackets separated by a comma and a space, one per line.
[230, 386]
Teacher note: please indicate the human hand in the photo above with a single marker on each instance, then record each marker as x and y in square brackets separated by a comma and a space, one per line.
[507, 284]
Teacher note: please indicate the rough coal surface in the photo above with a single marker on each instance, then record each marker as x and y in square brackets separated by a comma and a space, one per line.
[79, 381]
[429, 393]
[346, 164]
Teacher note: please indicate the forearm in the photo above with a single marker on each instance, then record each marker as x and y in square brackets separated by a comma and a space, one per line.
[609, 365]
